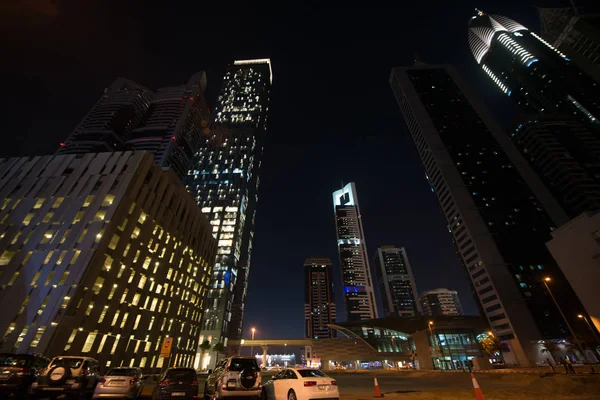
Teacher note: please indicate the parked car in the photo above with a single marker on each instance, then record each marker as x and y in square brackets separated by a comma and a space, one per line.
[300, 384]
[18, 372]
[234, 377]
[121, 382]
[149, 384]
[67, 375]
[179, 383]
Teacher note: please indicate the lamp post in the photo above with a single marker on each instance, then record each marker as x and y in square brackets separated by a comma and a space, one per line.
[433, 349]
[252, 345]
[545, 281]
[581, 316]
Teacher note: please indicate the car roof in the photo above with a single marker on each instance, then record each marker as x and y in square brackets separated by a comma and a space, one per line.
[243, 357]
[83, 357]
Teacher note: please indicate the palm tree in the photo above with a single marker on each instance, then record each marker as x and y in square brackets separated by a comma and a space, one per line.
[204, 346]
[218, 349]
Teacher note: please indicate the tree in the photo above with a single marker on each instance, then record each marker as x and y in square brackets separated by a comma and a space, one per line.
[204, 346]
[218, 349]
[492, 346]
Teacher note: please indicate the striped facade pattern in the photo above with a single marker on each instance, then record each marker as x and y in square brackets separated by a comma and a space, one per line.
[101, 255]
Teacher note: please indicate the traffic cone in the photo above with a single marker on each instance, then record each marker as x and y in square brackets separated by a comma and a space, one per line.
[478, 393]
[377, 391]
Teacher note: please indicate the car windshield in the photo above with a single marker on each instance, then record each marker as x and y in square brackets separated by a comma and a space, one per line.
[13, 360]
[240, 364]
[122, 372]
[311, 373]
[181, 375]
[73, 363]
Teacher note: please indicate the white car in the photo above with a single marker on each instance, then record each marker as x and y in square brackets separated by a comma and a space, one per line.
[300, 384]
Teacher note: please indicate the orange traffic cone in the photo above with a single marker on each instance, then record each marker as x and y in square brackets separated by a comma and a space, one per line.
[377, 391]
[478, 393]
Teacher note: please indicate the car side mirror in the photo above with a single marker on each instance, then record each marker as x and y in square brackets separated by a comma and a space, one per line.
[210, 371]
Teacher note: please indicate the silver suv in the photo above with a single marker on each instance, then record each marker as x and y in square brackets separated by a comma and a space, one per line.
[233, 377]
[70, 376]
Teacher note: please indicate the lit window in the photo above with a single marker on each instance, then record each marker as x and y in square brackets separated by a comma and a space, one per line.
[113, 241]
[108, 200]
[100, 215]
[89, 342]
[38, 203]
[88, 200]
[27, 219]
[98, 285]
[48, 217]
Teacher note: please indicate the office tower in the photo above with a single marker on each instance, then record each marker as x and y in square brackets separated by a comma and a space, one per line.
[575, 34]
[396, 282]
[440, 302]
[224, 181]
[108, 126]
[536, 75]
[359, 300]
[319, 302]
[498, 211]
[173, 125]
[565, 155]
[102, 255]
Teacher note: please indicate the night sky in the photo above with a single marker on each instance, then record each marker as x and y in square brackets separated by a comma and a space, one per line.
[333, 116]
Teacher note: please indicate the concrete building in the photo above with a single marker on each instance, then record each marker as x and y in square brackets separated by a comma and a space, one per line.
[440, 302]
[359, 299]
[396, 282]
[496, 208]
[576, 248]
[319, 300]
[101, 254]
[224, 181]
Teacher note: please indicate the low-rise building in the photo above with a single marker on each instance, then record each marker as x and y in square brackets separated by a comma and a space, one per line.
[101, 254]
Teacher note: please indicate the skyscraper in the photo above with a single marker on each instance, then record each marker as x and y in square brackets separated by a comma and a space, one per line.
[224, 180]
[536, 75]
[498, 211]
[565, 155]
[319, 301]
[109, 124]
[396, 282]
[576, 34]
[440, 302]
[359, 300]
[173, 125]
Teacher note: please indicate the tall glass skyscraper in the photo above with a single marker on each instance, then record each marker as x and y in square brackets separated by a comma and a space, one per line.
[359, 300]
[497, 210]
[319, 301]
[396, 282]
[224, 182]
[536, 75]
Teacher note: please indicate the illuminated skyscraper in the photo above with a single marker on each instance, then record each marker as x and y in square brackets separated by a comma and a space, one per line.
[224, 182]
[396, 282]
[319, 302]
[359, 300]
[536, 75]
[498, 211]
[440, 302]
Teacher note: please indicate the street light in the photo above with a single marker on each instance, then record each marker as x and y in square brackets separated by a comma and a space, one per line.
[545, 281]
[252, 345]
[580, 316]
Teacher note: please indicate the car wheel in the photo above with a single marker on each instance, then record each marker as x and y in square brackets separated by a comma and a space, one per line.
[263, 394]
[292, 395]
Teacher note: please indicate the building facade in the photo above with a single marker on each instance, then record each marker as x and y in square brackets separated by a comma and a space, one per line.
[566, 156]
[575, 34]
[497, 210]
[109, 124]
[174, 125]
[319, 300]
[101, 254]
[224, 181]
[576, 248]
[536, 75]
[359, 299]
[397, 286]
[440, 302]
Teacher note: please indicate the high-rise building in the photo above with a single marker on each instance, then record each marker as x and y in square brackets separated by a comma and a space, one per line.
[498, 211]
[169, 123]
[173, 125]
[536, 75]
[440, 302]
[359, 300]
[319, 301]
[396, 282]
[109, 124]
[101, 254]
[565, 155]
[224, 180]
[575, 34]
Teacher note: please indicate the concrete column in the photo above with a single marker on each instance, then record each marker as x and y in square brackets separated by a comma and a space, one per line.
[264, 355]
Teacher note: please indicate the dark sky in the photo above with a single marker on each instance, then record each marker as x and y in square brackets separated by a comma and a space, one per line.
[333, 114]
